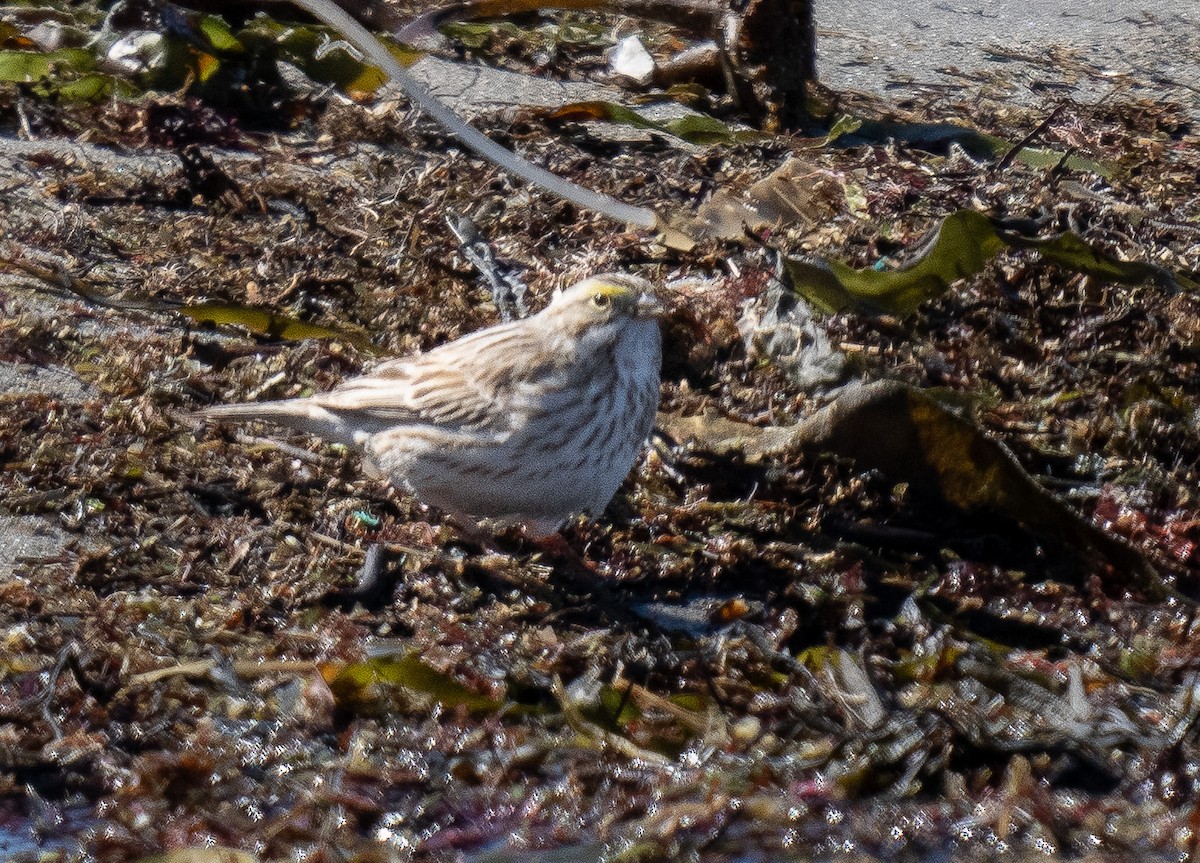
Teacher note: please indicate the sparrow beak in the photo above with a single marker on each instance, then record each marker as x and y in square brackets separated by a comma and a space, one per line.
[648, 306]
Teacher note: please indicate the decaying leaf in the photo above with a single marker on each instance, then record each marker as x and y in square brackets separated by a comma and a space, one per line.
[910, 437]
[723, 436]
[793, 195]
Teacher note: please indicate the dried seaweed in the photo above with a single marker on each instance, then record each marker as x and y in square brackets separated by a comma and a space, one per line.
[924, 635]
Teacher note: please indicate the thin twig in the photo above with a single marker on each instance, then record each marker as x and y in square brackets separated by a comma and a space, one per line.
[1012, 154]
[242, 668]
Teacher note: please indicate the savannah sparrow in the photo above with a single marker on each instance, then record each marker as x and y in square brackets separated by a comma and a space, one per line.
[527, 422]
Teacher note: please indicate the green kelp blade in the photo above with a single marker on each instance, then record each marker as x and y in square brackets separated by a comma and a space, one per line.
[694, 128]
[271, 324]
[312, 49]
[1071, 251]
[964, 243]
[851, 131]
[352, 684]
[34, 66]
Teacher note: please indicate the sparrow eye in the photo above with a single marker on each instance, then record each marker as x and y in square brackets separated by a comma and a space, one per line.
[601, 301]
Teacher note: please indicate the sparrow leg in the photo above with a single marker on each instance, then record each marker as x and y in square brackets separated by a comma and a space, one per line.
[583, 575]
[468, 529]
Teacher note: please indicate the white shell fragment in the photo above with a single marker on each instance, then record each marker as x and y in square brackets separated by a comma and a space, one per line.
[630, 58]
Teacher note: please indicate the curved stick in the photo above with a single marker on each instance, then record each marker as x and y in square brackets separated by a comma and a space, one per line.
[424, 99]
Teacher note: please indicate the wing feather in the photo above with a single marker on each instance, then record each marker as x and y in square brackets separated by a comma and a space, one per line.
[471, 383]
